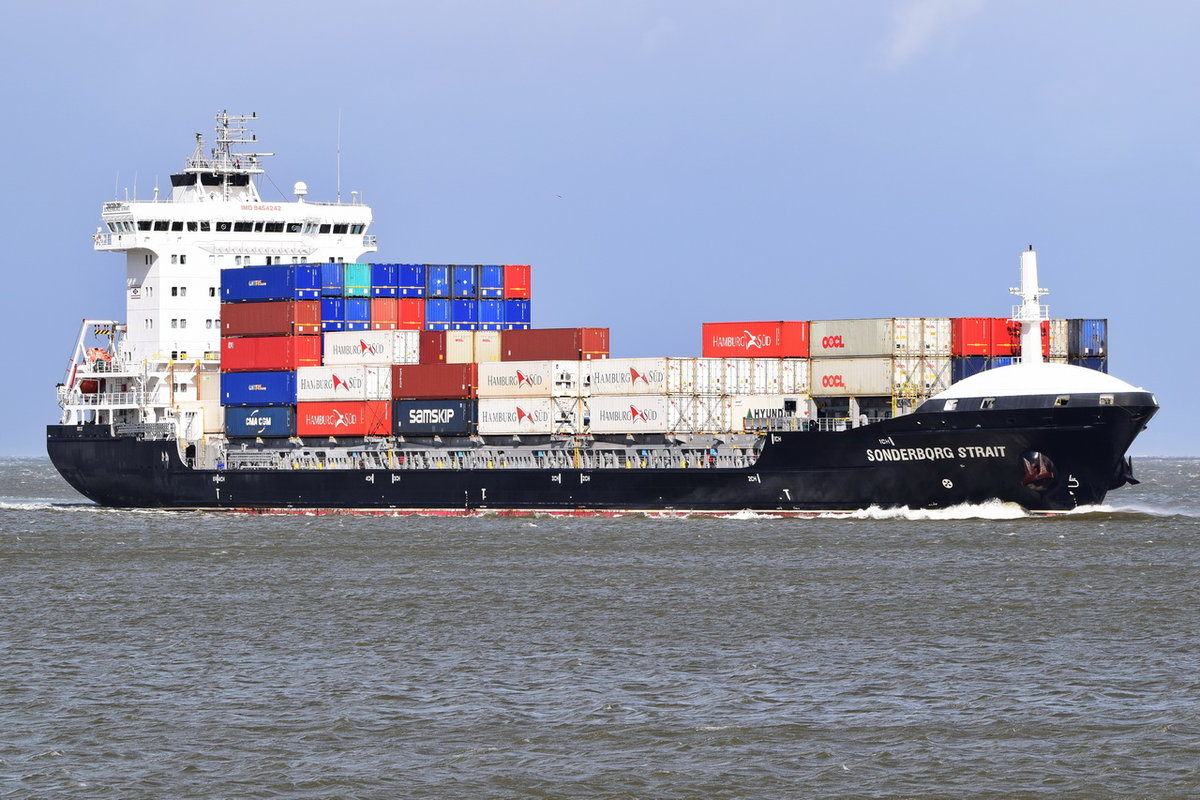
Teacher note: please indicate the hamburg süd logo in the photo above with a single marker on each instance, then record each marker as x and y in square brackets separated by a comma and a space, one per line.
[523, 380]
[635, 376]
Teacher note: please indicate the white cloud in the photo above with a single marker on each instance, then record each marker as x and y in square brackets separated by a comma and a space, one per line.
[919, 22]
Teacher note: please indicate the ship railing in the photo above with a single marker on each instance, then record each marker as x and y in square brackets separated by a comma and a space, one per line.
[147, 430]
[129, 399]
[102, 239]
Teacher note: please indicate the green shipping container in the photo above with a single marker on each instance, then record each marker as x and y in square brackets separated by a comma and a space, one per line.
[358, 280]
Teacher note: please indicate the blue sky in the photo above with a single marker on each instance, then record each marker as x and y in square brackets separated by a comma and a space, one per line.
[715, 161]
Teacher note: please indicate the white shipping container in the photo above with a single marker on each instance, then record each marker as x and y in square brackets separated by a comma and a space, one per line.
[460, 347]
[709, 377]
[935, 374]
[908, 335]
[1058, 338]
[768, 376]
[625, 376]
[697, 413]
[487, 346]
[937, 336]
[794, 376]
[631, 413]
[739, 375]
[344, 382]
[534, 378]
[508, 416]
[681, 375]
[746, 407]
[372, 347]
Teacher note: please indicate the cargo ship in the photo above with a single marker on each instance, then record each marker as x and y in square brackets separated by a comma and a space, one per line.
[263, 366]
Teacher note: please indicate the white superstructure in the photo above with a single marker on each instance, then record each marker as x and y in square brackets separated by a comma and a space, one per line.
[175, 249]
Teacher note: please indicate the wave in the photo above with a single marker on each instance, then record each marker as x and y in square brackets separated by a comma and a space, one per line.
[992, 509]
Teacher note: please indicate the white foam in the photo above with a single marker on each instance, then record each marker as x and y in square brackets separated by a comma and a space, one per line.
[992, 509]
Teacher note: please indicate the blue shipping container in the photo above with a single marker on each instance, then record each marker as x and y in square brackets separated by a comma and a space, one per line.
[258, 388]
[276, 282]
[464, 315]
[491, 315]
[466, 281]
[384, 280]
[357, 280]
[333, 280]
[1098, 363]
[410, 279]
[437, 280]
[358, 313]
[333, 314]
[433, 417]
[271, 421]
[491, 281]
[516, 314]
[1087, 337]
[437, 315]
[966, 366]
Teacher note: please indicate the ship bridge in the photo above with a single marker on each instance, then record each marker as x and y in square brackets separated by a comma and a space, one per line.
[214, 218]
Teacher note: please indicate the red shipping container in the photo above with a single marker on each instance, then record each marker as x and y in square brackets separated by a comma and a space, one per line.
[269, 353]
[434, 381]
[554, 344]
[787, 339]
[990, 336]
[283, 318]
[385, 313]
[971, 336]
[411, 315]
[345, 418]
[433, 347]
[516, 282]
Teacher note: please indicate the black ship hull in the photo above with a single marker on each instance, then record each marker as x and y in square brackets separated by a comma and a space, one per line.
[1041, 458]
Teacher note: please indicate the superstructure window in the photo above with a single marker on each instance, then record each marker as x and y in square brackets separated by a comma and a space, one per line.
[341, 228]
[243, 227]
[144, 225]
[258, 227]
[177, 226]
[191, 227]
[205, 227]
[212, 291]
[293, 227]
[356, 228]
[273, 227]
[161, 224]
[183, 323]
[324, 228]
[174, 323]
[224, 227]
[174, 259]
[183, 259]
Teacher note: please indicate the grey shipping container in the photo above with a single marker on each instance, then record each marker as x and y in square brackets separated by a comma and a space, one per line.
[434, 417]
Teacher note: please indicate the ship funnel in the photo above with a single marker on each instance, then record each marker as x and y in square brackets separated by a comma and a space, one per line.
[1030, 313]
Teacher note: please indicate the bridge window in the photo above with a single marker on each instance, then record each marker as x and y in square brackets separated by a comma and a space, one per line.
[341, 228]
[258, 227]
[183, 259]
[177, 226]
[144, 225]
[224, 227]
[324, 228]
[273, 227]
[205, 226]
[294, 227]
[243, 227]
[191, 227]
[160, 224]
[357, 228]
